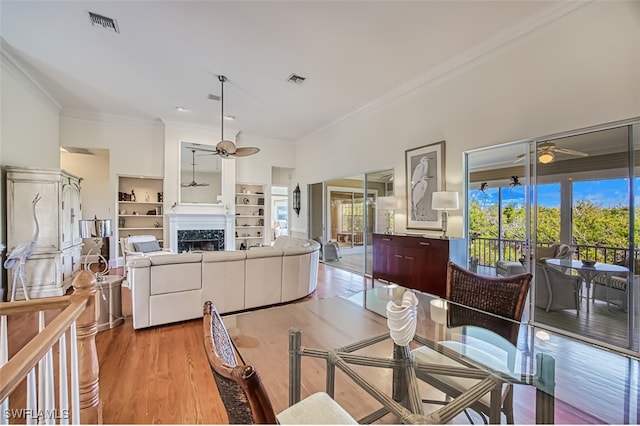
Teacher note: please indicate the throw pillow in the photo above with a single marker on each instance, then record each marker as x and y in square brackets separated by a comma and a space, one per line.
[147, 246]
[545, 252]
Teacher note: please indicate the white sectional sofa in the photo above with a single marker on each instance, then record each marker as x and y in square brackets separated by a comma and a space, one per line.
[173, 287]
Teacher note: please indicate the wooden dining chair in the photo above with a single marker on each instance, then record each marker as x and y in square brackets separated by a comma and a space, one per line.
[243, 393]
[491, 298]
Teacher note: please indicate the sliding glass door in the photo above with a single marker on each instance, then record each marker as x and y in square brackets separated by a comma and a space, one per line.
[574, 194]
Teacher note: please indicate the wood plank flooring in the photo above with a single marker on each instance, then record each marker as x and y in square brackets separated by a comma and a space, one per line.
[161, 375]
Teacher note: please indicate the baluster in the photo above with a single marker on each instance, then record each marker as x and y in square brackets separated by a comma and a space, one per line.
[62, 381]
[75, 387]
[32, 402]
[4, 357]
[42, 373]
[87, 328]
[50, 397]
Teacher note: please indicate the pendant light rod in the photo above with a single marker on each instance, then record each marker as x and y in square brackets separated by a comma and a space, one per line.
[222, 79]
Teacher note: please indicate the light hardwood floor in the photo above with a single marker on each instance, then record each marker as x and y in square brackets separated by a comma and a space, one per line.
[161, 375]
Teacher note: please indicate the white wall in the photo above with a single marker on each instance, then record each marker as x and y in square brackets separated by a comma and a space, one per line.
[28, 128]
[29, 118]
[582, 70]
[135, 149]
[254, 169]
[94, 170]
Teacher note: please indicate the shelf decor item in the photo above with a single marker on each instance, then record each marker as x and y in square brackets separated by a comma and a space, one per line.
[296, 200]
[424, 176]
[96, 229]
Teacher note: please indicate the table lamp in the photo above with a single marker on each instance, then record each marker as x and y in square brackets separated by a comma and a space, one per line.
[445, 201]
[96, 229]
[388, 205]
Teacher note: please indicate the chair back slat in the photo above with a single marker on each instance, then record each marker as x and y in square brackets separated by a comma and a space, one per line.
[240, 387]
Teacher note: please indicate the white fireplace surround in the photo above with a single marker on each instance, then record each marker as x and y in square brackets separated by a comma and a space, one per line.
[195, 221]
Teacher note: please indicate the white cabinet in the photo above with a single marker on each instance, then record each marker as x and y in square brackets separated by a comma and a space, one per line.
[140, 207]
[56, 257]
[250, 215]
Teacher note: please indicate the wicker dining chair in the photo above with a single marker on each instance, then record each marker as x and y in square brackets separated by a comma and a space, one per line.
[241, 389]
[491, 298]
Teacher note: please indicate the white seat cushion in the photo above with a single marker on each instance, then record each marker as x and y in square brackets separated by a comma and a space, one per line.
[317, 409]
[427, 355]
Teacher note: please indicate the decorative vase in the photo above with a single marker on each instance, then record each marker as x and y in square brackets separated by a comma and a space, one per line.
[402, 319]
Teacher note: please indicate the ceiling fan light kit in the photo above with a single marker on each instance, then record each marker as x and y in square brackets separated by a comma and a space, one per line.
[546, 157]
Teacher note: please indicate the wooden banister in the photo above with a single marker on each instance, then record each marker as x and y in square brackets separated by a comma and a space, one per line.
[89, 370]
[81, 307]
[34, 305]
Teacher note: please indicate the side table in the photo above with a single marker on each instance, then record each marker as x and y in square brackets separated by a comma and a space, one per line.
[110, 302]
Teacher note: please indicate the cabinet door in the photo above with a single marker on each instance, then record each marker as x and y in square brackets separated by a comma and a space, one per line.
[430, 273]
[70, 214]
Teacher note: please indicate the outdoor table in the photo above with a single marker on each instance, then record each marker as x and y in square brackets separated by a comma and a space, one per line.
[588, 272]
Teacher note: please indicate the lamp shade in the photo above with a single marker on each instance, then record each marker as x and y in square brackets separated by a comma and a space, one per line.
[444, 200]
[95, 228]
[387, 203]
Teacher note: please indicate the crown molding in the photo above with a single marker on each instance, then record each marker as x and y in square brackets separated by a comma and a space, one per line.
[76, 114]
[498, 44]
[11, 63]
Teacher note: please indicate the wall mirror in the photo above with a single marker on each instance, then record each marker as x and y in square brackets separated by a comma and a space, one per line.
[200, 174]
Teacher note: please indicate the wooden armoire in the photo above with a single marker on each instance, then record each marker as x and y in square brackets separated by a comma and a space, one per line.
[57, 255]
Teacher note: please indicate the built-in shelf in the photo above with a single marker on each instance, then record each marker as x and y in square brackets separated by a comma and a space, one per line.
[250, 215]
[148, 193]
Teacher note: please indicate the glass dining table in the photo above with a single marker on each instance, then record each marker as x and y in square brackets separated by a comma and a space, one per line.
[487, 351]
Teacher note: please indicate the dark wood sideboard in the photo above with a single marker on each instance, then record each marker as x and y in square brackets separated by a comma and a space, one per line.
[415, 261]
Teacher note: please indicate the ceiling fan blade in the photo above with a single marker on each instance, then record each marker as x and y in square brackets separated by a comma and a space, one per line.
[212, 150]
[201, 184]
[571, 152]
[213, 97]
[246, 151]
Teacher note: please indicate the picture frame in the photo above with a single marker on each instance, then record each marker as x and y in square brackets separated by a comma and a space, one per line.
[424, 169]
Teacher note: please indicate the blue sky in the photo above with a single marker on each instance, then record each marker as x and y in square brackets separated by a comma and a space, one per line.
[607, 193]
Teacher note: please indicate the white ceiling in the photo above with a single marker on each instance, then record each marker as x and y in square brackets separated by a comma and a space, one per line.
[354, 54]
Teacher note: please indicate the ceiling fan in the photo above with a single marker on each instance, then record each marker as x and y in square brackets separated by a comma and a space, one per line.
[226, 148]
[546, 153]
[193, 171]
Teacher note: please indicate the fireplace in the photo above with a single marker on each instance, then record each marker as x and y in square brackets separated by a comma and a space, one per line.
[201, 239]
[191, 232]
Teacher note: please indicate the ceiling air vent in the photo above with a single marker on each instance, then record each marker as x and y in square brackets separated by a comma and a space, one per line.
[297, 79]
[103, 21]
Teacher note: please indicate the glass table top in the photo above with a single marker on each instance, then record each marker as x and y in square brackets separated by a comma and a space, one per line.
[603, 383]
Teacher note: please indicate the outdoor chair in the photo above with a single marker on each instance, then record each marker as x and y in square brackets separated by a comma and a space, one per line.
[556, 290]
[243, 393]
[506, 268]
[329, 250]
[613, 288]
[492, 297]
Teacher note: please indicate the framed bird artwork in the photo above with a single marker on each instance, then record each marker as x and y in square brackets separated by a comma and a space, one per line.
[424, 175]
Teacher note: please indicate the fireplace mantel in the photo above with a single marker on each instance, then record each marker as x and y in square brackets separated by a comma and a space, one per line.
[195, 221]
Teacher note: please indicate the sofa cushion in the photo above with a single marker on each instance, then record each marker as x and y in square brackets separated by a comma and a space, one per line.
[263, 252]
[128, 241]
[223, 256]
[147, 246]
[176, 258]
[285, 241]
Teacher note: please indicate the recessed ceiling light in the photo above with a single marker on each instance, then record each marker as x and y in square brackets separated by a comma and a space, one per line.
[181, 108]
[230, 117]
